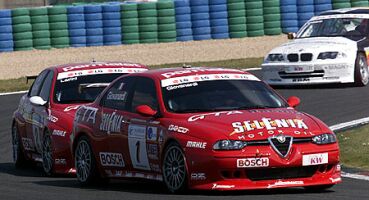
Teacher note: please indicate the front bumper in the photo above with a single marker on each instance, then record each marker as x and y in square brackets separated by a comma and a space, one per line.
[222, 173]
[321, 73]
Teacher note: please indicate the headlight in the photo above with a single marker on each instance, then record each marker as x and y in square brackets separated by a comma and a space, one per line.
[275, 57]
[331, 55]
[229, 145]
[325, 139]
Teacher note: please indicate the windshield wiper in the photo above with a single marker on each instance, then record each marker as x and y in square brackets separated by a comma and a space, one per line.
[254, 107]
[194, 110]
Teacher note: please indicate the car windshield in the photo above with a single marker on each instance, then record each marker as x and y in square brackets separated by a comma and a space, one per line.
[219, 95]
[81, 89]
[334, 27]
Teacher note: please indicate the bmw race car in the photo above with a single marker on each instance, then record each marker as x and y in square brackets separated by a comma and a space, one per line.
[205, 129]
[42, 124]
[330, 48]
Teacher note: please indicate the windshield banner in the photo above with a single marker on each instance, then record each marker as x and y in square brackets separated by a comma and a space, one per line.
[88, 72]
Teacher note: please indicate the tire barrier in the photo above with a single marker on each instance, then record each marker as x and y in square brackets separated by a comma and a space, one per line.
[115, 23]
[6, 31]
[183, 20]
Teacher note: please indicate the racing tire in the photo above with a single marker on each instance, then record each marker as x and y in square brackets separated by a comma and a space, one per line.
[318, 188]
[85, 163]
[361, 75]
[174, 169]
[18, 154]
[47, 155]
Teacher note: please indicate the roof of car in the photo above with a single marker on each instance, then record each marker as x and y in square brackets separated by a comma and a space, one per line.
[358, 10]
[95, 65]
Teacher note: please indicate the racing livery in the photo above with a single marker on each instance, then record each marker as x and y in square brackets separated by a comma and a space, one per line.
[202, 128]
[330, 48]
[43, 122]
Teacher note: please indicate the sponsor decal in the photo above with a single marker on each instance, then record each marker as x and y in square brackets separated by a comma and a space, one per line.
[155, 167]
[28, 144]
[335, 180]
[215, 114]
[111, 122]
[52, 118]
[198, 176]
[252, 162]
[268, 124]
[161, 137]
[137, 146]
[338, 168]
[178, 129]
[117, 96]
[196, 70]
[199, 145]
[206, 77]
[174, 87]
[60, 161]
[87, 72]
[109, 159]
[59, 133]
[70, 68]
[315, 159]
[285, 183]
[152, 133]
[68, 79]
[335, 16]
[153, 151]
[69, 108]
[216, 186]
[88, 114]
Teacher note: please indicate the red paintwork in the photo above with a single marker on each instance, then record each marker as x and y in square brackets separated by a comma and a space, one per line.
[209, 128]
[64, 113]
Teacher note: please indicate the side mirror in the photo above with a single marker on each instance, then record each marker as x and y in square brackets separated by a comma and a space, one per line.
[291, 36]
[293, 101]
[37, 100]
[145, 110]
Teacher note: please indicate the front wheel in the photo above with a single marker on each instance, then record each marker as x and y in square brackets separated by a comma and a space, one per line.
[361, 70]
[174, 169]
[18, 154]
[47, 155]
[85, 162]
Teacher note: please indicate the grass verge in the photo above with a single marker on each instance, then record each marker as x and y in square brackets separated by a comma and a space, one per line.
[354, 147]
[11, 85]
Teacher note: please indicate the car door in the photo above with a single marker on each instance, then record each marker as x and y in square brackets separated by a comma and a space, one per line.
[113, 126]
[41, 114]
[143, 132]
[29, 140]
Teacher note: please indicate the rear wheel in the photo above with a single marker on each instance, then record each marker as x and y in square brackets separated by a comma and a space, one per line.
[361, 70]
[85, 162]
[318, 188]
[174, 169]
[18, 154]
[47, 155]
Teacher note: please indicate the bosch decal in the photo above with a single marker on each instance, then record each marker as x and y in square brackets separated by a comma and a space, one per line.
[109, 159]
[252, 162]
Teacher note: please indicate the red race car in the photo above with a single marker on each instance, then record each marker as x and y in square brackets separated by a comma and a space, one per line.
[202, 128]
[43, 121]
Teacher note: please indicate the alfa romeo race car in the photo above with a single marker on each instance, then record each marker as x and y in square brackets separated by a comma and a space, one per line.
[330, 48]
[43, 122]
[202, 128]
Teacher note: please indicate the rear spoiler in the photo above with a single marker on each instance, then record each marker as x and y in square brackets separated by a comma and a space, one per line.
[30, 78]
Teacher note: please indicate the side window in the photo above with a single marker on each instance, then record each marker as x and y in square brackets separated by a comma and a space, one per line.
[36, 86]
[117, 95]
[144, 94]
[45, 90]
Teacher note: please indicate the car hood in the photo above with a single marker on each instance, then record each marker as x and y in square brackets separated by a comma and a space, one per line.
[259, 124]
[316, 44]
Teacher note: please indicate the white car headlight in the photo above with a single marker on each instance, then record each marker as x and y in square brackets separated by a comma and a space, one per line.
[327, 138]
[275, 57]
[331, 55]
[229, 145]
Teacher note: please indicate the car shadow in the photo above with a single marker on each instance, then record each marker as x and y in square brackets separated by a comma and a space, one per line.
[31, 170]
[154, 187]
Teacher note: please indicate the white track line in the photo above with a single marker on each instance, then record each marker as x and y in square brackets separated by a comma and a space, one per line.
[336, 127]
[11, 93]
[252, 69]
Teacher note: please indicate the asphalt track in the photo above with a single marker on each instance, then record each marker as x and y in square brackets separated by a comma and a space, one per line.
[331, 104]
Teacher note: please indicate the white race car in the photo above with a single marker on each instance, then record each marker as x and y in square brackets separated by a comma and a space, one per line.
[330, 48]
